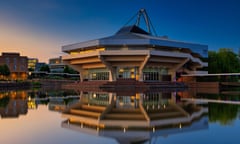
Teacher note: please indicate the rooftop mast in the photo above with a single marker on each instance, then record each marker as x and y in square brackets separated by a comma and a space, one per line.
[143, 14]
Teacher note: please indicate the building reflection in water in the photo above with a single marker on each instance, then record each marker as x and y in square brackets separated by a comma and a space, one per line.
[17, 102]
[13, 104]
[136, 118]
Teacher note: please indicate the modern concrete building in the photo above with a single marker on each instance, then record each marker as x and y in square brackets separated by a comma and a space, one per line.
[135, 53]
[126, 136]
[18, 65]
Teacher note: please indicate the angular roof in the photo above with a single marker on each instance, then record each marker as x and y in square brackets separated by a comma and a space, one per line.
[133, 35]
[131, 29]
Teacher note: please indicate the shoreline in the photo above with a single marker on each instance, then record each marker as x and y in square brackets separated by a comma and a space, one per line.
[13, 85]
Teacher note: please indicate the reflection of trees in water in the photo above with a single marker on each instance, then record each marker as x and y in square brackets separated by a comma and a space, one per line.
[226, 96]
[222, 113]
[4, 101]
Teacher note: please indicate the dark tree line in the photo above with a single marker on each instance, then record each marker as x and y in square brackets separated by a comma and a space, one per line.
[45, 68]
[225, 114]
[223, 61]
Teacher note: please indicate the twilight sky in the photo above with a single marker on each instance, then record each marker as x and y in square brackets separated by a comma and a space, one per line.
[38, 28]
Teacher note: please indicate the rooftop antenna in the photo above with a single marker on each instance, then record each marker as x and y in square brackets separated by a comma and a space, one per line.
[143, 14]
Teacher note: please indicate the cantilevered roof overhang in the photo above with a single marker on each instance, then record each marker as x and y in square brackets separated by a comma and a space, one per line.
[128, 36]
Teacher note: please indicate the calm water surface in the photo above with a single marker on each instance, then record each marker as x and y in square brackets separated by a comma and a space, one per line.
[45, 117]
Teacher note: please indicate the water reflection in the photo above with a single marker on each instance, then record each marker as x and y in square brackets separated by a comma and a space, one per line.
[139, 117]
[134, 118]
[14, 103]
[225, 114]
[223, 105]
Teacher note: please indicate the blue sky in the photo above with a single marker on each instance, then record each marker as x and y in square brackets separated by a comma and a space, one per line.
[38, 28]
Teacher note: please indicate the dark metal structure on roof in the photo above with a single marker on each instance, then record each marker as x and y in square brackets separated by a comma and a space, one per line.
[142, 14]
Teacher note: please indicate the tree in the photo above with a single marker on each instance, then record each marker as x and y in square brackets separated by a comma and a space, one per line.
[4, 70]
[30, 69]
[225, 114]
[68, 69]
[213, 63]
[45, 68]
[223, 61]
[4, 101]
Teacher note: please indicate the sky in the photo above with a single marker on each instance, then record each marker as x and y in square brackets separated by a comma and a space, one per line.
[39, 28]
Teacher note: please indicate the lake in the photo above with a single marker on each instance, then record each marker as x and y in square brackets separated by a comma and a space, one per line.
[157, 116]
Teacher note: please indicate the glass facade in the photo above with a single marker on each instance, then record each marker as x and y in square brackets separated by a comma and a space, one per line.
[154, 74]
[149, 74]
[100, 99]
[98, 74]
[155, 100]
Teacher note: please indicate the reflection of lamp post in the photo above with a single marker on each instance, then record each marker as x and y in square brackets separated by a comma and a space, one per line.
[30, 74]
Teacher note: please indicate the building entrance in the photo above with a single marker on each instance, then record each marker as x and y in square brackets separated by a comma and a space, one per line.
[127, 72]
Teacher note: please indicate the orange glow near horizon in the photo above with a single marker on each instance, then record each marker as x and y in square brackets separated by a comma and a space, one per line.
[33, 44]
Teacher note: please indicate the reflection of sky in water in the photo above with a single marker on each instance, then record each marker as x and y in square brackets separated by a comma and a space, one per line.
[42, 126]
[215, 134]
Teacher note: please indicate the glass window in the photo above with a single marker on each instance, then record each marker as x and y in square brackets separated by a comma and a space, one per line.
[15, 67]
[99, 76]
[154, 74]
[7, 60]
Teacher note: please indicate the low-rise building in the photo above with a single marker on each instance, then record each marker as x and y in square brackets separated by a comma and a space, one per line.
[39, 65]
[32, 63]
[56, 65]
[18, 65]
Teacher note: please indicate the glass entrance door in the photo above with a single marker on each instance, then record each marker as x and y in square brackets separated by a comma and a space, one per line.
[129, 72]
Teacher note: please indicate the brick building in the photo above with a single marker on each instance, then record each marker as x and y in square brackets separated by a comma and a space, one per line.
[18, 65]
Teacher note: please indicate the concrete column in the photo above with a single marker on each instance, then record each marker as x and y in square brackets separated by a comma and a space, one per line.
[140, 75]
[173, 75]
[81, 97]
[141, 98]
[81, 75]
[111, 99]
[110, 76]
[142, 66]
[114, 74]
[173, 97]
